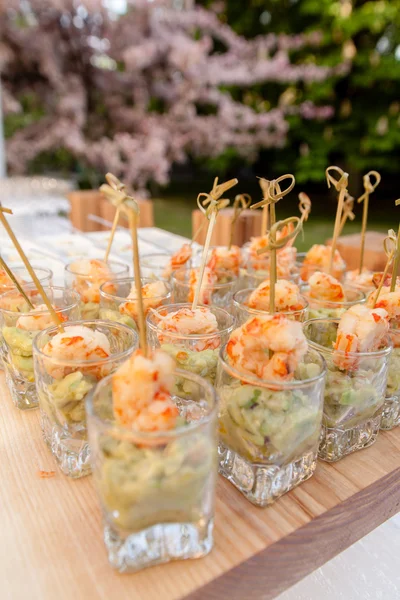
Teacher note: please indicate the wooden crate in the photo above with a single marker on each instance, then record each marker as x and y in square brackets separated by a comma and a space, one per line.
[247, 226]
[374, 255]
[51, 534]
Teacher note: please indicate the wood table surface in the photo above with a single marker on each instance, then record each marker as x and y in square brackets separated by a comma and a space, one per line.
[51, 534]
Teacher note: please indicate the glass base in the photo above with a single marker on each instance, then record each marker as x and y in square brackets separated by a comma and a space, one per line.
[72, 455]
[23, 394]
[158, 544]
[338, 443]
[391, 413]
[263, 484]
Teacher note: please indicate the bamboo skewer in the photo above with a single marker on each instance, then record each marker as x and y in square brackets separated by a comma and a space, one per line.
[340, 186]
[347, 212]
[390, 238]
[210, 207]
[15, 282]
[397, 258]
[29, 268]
[368, 189]
[241, 202]
[264, 184]
[114, 190]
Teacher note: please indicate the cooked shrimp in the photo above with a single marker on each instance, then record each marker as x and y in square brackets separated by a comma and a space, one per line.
[78, 343]
[5, 281]
[90, 274]
[249, 346]
[153, 295]
[225, 259]
[186, 321]
[261, 242]
[287, 296]
[141, 392]
[390, 301]
[209, 279]
[361, 329]
[363, 280]
[377, 278]
[319, 257]
[37, 322]
[325, 287]
[179, 259]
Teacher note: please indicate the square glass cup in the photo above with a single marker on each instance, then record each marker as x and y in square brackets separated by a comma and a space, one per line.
[391, 407]
[354, 393]
[269, 430]
[88, 284]
[196, 353]
[117, 307]
[243, 312]
[62, 386]
[156, 489]
[327, 309]
[218, 294]
[18, 330]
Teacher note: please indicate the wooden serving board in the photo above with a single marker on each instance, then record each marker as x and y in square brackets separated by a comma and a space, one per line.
[51, 536]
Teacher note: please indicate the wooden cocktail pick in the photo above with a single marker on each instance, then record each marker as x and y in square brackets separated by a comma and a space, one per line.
[210, 204]
[348, 206]
[274, 194]
[341, 187]
[114, 191]
[28, 266]
[369, 187]
[396, 258]
[15, 281]
[264, 184]
[390, 244]
[241, 202]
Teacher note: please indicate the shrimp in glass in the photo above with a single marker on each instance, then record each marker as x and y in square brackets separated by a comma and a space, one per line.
[225, 259]
[179, 259]
[90, 274]
[76, 343]
[390, 301]
[209, 279]
[38, 318]
[325, 287]
[269, 347]
[287, 296]
[153, 295]
[361, 329]
[363, 280]
[142, 392]
[186, 321]
[262, 242]
[318, 258]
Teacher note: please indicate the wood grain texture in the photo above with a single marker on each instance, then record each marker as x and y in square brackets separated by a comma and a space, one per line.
[51, 544]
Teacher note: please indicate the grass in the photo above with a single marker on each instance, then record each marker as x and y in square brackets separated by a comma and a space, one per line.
[175, 214]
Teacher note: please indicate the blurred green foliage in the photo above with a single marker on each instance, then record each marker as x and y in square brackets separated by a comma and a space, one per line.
[365, 130]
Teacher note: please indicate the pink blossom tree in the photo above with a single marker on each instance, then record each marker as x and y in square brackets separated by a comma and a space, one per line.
[137, 93]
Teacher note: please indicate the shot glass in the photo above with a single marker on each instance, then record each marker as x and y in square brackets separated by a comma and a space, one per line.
[225, 263]
[88, 284]
[18, 328]
[257, 271]
[156, 266]
[308, 269]
[62, 386]
[243, 312]
[326, 309]
[44, 275]
[156, 489]
[354, 393]
[269, 430]
[218, 294]
[391, 407]
[196, 353]
[116, 306]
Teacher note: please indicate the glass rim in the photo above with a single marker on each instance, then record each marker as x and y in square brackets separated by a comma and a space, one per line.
[121, 280]
[34, 267]
[152, 435]
[189, 336]
[44, 311]
[334, 304]
[257, 311]
[94, 362]
[300, 263]
[209, 286]
[272, 383]
[123, 267]
[319, 348]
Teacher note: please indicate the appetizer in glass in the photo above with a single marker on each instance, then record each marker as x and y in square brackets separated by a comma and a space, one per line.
[328, 298]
